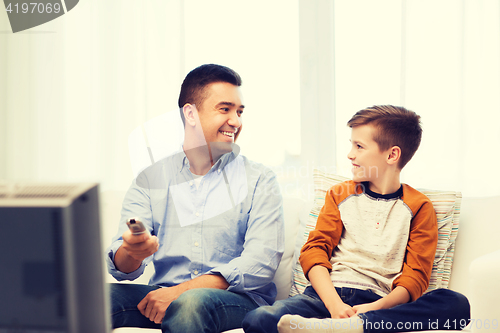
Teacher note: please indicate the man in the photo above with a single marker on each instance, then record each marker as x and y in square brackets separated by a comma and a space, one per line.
[214, 218]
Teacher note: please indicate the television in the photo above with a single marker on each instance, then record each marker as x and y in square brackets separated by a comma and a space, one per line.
[52, 264]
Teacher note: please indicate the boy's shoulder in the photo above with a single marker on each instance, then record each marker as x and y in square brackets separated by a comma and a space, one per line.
[415, 199]
[343, 190]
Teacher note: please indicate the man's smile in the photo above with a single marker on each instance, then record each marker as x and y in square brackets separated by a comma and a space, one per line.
[229, 134]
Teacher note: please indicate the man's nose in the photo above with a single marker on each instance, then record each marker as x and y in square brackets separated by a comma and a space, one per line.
[234, 120]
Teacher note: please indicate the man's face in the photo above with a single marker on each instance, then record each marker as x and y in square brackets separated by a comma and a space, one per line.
[220, 114]
[365, 155]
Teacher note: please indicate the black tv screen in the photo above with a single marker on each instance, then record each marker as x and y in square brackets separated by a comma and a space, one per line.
[52, 262]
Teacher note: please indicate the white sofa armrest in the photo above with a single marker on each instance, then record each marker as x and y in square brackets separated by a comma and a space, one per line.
[484, 293]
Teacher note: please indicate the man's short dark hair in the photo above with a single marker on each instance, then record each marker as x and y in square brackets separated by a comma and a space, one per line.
[193, 88]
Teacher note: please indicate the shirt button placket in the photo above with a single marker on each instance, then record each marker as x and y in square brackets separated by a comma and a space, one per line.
[196, 241]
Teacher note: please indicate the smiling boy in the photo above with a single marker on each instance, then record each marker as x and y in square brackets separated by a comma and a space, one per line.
[370, 257]
[215, 222]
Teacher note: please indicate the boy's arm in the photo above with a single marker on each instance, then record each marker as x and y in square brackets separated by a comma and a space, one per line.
[319, 277]
[398, 295]
[316, 253]
[420, 252]
[324, 238]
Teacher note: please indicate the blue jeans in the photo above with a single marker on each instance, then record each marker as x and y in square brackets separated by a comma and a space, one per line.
[441, 309]
[196, 310]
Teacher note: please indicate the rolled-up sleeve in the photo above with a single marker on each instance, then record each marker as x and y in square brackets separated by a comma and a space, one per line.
[254, 270]
[117, 274]
[135, 204]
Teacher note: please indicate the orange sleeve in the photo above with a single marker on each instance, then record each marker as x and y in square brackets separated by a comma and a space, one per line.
[421, 247]
[324, 238]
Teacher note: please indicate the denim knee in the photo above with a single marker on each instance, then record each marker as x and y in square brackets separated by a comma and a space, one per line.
[263, 319]
[192, 298]
[458, 304]
[192, 303]
[192, 311]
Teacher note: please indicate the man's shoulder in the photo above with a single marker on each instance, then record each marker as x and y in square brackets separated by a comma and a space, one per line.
[255, 168]
[158, 174]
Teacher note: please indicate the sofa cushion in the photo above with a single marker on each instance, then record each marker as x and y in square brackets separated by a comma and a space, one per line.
[447, 207]
[283, 277]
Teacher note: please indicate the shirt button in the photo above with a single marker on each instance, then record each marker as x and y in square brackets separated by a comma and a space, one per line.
[197, 214]
[196, 244]
[195, 272]
[191, 183]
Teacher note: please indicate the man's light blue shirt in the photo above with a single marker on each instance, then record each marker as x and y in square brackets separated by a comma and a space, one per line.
[231, 225]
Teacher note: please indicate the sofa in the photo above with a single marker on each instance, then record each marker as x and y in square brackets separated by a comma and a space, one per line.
[473, 256]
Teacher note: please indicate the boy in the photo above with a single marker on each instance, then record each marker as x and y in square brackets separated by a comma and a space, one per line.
[370, 257]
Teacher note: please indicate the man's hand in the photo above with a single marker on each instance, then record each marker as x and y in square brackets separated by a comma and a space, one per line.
[341, 310]
[141, 246]
[156, 302]
[154, 305]
[134, 249]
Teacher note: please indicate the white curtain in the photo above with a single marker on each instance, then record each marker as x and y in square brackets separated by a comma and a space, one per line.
[77, 86]
[440, 59]
[72, 90]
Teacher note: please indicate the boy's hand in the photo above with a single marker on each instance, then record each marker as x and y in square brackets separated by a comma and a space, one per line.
[361, 308]
[341, 310]
[398, 295]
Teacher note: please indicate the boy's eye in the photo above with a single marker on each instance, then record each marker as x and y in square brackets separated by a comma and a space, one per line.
[240, 112]
[225, 109]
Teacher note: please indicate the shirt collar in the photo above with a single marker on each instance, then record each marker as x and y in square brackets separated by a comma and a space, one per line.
[183, 162]
[395, 195]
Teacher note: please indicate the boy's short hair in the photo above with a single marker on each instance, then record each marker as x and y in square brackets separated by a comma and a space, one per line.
[395, 126]
[193, 87]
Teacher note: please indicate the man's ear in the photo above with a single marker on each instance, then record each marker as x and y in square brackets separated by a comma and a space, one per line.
[394, 155]
[190, 116]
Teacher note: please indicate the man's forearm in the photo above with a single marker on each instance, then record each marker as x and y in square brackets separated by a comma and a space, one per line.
[206, 281]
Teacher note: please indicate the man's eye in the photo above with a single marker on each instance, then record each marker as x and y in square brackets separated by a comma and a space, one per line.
[359, 147]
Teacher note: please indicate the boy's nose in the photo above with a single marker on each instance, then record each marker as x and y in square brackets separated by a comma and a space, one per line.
[350, 155]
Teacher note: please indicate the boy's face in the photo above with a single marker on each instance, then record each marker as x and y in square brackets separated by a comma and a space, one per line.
[367, 160]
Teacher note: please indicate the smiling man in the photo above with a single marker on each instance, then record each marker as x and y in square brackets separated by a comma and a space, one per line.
[214, 222]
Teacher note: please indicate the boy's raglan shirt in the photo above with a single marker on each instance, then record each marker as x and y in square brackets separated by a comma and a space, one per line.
[372, 241]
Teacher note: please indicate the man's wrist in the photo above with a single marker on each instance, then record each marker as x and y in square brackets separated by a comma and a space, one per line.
[124, 262]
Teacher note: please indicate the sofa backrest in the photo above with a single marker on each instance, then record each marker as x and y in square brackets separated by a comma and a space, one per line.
[293, 210]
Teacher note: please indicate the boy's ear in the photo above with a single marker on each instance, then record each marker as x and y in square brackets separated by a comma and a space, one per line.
[189, 111]
[394, 155]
